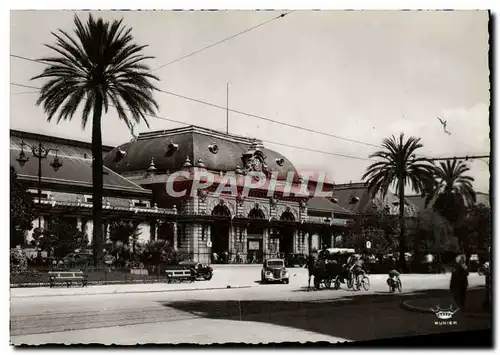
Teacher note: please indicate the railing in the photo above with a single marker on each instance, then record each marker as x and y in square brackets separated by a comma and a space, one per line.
[96, 276]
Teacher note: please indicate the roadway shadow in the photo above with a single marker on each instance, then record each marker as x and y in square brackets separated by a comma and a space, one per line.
[355, 317]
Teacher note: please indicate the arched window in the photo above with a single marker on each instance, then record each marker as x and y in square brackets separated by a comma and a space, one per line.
[221, 210]
[287, 216]
[255, 213]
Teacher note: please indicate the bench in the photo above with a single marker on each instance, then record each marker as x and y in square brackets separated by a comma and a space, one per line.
[179, 275]
[68, 277]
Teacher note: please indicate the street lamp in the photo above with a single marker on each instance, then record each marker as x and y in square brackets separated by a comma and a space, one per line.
[39, 152]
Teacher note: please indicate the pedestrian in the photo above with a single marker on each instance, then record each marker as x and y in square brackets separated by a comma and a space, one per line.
[310, 269]
[459, 281]
[487, 275]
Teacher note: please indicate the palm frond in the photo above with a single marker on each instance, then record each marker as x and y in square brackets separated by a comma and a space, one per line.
[397, 164]
[100, 59]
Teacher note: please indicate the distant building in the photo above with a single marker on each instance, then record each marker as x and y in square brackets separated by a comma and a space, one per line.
[68, 192]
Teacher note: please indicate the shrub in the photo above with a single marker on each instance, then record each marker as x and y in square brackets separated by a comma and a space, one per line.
[18, 261]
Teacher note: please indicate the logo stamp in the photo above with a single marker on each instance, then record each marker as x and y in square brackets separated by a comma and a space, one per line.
[444, 315]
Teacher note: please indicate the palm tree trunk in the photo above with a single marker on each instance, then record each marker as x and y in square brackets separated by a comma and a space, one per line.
[97, 180]
[402, 240]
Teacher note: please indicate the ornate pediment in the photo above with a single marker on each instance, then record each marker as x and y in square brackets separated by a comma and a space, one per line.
[255, 160]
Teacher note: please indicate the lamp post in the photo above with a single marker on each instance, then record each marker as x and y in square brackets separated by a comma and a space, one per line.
[40, 152]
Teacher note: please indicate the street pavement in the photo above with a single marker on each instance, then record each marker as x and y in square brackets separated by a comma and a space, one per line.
[261, 313]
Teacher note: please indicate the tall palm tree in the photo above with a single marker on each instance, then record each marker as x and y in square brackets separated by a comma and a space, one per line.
[399, 166]
[100, 67]
[453, 192]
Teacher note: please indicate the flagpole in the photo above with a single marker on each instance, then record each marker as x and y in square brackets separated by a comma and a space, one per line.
[227, 108]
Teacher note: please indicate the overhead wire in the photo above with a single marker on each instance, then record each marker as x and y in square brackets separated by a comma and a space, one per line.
[267, 141]
[309, 130]
[263, 140]
[222, 41]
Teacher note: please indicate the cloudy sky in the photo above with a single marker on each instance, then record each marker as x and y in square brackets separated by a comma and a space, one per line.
[361, 75]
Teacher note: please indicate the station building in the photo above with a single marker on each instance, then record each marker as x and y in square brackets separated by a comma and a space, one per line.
[243, 226]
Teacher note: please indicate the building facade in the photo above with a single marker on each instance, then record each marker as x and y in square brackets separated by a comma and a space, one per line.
[224, 220]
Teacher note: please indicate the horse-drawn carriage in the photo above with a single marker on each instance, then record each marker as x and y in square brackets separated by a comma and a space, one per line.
[330, 269]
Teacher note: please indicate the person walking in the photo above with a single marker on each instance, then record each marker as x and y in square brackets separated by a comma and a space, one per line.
[310, 269]
[459, 282]
[487, 276]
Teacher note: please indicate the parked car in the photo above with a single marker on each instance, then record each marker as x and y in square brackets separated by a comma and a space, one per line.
[198, 270]
[274, 270]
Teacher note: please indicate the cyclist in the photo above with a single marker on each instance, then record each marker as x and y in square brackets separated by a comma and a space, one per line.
[357, 267]
[393, 277]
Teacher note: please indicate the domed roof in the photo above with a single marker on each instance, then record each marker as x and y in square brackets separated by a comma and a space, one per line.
[216, 151]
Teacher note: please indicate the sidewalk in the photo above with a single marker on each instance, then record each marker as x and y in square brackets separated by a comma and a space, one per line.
[223, 278]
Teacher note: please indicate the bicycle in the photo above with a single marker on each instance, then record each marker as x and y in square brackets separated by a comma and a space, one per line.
[362, 280]
[395, 284]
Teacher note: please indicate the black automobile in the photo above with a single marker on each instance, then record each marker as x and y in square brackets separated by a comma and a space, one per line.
[198, 270]
[274, 270]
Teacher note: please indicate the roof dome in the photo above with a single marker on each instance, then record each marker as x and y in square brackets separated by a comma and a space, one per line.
[215, 150]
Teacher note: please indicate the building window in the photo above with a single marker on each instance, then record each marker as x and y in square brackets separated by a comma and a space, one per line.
[203, 233]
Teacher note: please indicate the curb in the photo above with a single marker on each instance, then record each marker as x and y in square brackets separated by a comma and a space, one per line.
[131, 292]
[409, 307]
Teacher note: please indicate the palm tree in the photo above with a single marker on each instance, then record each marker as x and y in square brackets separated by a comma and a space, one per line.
[159, 251]
[99, 68]
[453, 193]
[399, 166]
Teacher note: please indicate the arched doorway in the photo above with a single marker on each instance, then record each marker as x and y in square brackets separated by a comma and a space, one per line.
[255, 233]
[286, 234]
[219, 232]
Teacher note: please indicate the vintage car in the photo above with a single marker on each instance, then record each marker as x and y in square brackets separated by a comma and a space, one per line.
[274, 270]
[198, 270]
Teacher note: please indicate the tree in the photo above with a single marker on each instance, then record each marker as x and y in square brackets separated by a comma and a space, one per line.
[22, 210]
[159, 251]
[398, 166]
[63, 237]
[452, 191]
[124, 232]
[474, 231]
[99, 68]
[431, 233]
[376, 227]
[123, 236]
[18, 261]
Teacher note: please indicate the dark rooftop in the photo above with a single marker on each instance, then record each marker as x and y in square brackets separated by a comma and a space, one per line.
[77, 164]
[195, 143]
[323, 204]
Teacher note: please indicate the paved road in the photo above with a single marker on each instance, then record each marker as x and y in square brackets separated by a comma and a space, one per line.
[263, 313]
